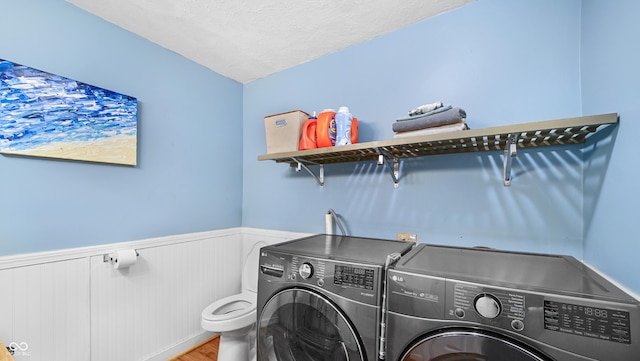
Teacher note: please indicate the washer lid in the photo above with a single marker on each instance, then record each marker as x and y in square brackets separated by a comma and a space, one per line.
[358, 249]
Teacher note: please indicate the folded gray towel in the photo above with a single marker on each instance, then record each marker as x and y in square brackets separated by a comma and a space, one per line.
[455, 127]
[450, 116]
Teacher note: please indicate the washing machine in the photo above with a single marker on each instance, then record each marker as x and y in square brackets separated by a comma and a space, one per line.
[319, 298]
[468, 304]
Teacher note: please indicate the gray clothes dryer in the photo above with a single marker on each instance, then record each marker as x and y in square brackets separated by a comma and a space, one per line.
[319, 298]
[468, 304]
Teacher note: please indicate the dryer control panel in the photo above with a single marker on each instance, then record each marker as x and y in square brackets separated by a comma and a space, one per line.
[442, 299]
[503, 308]
[533, 314]
[588, 321]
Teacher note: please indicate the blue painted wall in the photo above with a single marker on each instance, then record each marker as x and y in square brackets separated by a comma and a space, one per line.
[189, 139]
[611, 83]
[504, 62]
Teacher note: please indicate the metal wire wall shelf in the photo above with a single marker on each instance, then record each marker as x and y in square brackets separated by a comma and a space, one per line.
[506, 138]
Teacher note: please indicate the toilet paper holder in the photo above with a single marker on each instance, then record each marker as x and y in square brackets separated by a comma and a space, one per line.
[111, 257]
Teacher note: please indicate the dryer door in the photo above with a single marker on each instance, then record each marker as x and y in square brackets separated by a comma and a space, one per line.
[302, 325]
[468, 346]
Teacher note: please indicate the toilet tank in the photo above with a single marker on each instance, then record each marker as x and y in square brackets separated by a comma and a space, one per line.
[250, 267]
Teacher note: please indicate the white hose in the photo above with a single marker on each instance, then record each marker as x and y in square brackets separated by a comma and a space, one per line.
[337, 220]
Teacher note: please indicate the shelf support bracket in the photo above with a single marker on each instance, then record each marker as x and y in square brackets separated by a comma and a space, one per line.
[509, 153]
[393, 169]
[319, 177]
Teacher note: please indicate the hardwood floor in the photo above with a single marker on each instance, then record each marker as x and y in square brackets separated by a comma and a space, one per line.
[205, 351]
[4, 353]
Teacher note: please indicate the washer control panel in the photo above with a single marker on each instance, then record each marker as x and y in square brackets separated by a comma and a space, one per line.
[352, 276]
[359, 282]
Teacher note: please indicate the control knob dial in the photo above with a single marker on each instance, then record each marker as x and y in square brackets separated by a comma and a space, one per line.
[487, 305]
[306, 270]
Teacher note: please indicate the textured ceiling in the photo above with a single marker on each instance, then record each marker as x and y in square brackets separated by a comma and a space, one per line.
[250, 39]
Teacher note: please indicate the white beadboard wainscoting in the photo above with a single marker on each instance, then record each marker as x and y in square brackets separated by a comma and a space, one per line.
[44, 310]
[70, 305]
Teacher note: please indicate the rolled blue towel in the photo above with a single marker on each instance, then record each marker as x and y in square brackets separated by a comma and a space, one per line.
[434, 111]
[425, 108]
[451, 116]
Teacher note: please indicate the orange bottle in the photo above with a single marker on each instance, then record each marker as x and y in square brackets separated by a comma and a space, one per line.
[308, 136]
[354, 131]
[323, 128]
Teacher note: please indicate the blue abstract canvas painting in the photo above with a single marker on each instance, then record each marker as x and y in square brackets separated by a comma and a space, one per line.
[47, 115]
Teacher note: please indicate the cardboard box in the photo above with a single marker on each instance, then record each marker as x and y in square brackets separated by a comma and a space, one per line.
[283, 131]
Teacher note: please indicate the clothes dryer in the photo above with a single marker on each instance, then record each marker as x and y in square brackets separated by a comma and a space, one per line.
[319, 298]
[468, 304]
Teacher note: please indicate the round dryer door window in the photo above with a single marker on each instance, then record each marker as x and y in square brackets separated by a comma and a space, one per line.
[468, 346]
[301, 325]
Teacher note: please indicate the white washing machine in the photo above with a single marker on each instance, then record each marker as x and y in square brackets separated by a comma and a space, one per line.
[319, 298]
[468, 304]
